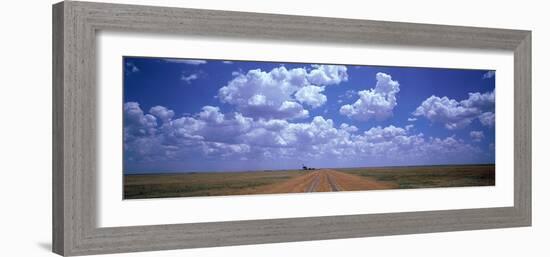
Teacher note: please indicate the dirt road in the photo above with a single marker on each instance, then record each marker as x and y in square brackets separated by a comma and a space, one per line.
[325, 180]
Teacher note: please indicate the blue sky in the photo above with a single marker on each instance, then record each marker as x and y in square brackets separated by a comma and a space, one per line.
[183, 115]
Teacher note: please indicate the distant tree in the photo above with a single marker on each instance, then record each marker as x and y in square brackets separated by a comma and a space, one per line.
[304, 167]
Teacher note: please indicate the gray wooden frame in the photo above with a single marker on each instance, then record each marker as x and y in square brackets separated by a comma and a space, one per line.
[75, 25]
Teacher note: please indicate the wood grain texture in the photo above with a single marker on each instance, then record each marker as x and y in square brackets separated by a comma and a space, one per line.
[58, 216]
[75, 25]
[522, 128]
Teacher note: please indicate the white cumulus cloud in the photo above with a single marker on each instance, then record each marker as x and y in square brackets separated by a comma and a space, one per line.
[487, 119]
[457, 114]
[161, 112]
[213, 135]
[377, 102]
[280, 93]
[311, 95]
[136, 123]
[327, 74]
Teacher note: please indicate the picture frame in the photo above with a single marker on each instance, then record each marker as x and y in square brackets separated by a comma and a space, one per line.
[75, 25]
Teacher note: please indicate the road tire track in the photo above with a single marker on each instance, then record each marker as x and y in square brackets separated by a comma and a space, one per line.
[314, 184]
[333, 185]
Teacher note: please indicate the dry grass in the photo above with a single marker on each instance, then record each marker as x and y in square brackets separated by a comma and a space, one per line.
[295, 181]
[351, 182]
[430, 176]
[201, 184]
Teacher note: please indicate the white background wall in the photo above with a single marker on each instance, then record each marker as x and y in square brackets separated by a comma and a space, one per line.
[25, 128]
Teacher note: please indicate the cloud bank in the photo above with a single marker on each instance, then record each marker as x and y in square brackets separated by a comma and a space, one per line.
[459, 114]
[158, 136]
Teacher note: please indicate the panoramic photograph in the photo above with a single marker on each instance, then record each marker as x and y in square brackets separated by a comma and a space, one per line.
[201, 127]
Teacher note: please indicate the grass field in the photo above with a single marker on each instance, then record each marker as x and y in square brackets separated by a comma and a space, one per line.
[294, 181]
[431, 176]
[201, 184]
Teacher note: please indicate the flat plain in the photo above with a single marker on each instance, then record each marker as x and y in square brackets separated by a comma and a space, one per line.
[305, 181]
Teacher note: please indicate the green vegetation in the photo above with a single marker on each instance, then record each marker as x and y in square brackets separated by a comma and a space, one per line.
[431, 176]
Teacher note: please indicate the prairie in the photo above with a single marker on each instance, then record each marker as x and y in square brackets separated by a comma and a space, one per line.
[431, 176]
[301, 181]
[201, 184]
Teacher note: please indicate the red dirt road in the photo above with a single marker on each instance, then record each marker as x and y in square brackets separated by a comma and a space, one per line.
[325, 180]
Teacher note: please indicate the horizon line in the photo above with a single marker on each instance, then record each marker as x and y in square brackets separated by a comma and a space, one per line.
[278, 170]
